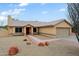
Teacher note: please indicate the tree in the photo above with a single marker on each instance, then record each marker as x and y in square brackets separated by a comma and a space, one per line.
[73, 13]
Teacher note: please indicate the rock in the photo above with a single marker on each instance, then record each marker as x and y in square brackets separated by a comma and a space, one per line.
[25, 40]
[28, 43]
[41, 44]
[13, 51]
[46, 44]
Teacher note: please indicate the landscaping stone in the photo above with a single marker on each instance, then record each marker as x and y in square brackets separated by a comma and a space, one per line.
[28, 43]
[13, 51]
[25, 40]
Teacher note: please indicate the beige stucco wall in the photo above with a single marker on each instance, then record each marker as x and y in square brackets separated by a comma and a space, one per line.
[62, 24]
[52, 30]
[24, 30]
[11, 30]
[48, 30]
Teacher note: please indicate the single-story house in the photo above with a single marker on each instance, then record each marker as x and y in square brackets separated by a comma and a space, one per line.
[57, 28]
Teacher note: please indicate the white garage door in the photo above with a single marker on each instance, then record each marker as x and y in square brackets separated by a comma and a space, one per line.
[62, 32]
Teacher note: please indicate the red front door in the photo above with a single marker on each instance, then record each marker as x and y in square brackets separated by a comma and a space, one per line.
[27, 30]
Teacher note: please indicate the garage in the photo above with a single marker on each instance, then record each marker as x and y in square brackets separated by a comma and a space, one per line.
[62, 32]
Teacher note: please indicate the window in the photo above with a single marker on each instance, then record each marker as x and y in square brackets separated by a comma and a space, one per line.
[18, 29]
[34, 29]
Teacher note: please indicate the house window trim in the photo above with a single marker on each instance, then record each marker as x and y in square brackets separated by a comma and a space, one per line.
[18, 29]
[35, 30]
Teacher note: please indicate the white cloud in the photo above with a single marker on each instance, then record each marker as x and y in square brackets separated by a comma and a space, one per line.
[62, 9]
[44, 12]
[15, 11]
[2, 18]
[23, 4]
[3, 13]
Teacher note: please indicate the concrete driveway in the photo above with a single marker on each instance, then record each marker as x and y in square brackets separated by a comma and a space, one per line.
[70, 38]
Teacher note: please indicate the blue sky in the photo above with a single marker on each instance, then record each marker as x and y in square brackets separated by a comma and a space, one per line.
[33, 11]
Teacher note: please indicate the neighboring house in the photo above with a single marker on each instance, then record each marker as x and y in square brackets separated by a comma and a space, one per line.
[57, 28]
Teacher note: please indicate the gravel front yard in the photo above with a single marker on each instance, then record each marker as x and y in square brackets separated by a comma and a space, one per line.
[55, 48]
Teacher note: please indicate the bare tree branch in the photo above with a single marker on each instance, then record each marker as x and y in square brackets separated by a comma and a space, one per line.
[73, 12]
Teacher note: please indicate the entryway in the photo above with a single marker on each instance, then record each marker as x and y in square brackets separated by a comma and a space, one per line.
[28, 30]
